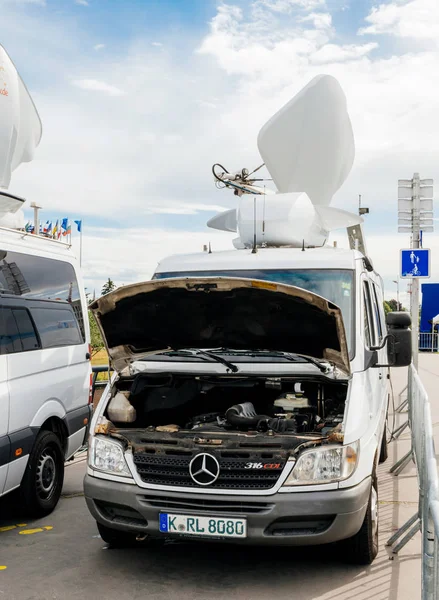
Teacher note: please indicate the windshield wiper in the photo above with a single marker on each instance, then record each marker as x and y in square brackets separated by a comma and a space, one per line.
[198, 352]
[290, 356]
[219, 359]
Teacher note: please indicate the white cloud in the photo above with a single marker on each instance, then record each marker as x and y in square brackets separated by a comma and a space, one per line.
[206, 104]
[82, 2]
[334, 53]
[319, 20]
[185, 208]
[287, 6]
[417, 19]
[98, 47]
[148, 156]
[100, 263]
[157, 44]
[95, 85]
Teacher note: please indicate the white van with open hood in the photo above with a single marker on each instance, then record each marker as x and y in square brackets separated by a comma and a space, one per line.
[234, 414]
[250, 396]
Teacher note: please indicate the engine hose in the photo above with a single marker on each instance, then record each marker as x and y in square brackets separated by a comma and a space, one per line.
[244, 416]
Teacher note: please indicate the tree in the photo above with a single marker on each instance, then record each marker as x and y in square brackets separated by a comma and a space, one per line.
[108, 287]
[392, 306]
[387, 307]
[96, 341]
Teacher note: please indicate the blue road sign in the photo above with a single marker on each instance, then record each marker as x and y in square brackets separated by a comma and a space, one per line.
[415, 262]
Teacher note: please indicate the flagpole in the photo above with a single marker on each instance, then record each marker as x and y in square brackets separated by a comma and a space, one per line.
[80, 244]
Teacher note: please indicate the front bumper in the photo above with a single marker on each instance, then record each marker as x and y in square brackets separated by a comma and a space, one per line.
[300, 518]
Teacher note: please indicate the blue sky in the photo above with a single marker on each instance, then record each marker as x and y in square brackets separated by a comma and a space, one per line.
[138, 98]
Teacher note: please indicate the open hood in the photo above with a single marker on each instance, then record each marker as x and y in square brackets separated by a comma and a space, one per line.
[219, 312]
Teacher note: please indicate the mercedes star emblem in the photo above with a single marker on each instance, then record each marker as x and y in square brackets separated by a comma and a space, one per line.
[204, 469]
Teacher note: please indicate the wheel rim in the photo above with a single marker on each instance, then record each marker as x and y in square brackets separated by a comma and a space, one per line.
[374, 514]
[47, 474]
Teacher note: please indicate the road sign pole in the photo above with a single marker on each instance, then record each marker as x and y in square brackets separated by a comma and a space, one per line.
[415, 213]
[415, 281]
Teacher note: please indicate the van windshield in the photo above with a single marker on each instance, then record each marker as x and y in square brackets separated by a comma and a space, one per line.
[336, 285]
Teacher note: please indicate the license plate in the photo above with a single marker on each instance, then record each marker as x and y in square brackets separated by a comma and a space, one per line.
[208, 526]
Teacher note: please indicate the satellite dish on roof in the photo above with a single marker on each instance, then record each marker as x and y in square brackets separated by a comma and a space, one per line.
[308, 145]
[20, 124]
[308, 149]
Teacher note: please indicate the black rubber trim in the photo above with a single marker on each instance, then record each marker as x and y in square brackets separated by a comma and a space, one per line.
[24, 439]
[5, 450]
[74, 419]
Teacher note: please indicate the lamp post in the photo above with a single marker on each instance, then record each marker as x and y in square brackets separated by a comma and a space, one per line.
[36, 208]
[397, 294]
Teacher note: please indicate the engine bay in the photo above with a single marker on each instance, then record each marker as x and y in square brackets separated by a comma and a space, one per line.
[250, 405]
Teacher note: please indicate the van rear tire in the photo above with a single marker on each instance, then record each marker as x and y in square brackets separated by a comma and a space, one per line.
[42, 483]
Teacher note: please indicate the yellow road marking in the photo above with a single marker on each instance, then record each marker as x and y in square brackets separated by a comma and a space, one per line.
[10, 527]
[36, 530]
[3, 567]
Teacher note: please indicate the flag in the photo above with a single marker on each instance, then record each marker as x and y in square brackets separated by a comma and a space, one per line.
[68, 229]
[40, 229]
[79, 225]
[55, 229]
[46, 227]
[27, 227]
[64, 223]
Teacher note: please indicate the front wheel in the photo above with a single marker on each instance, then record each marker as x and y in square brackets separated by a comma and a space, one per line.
[116, 538]
[362, 548]
[42, 483]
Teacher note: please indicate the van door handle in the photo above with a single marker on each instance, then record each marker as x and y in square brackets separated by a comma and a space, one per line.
[380, 375]
[88, 357]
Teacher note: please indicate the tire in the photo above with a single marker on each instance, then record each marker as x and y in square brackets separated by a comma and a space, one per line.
[116, 538]
[362, 548]
[42, 483]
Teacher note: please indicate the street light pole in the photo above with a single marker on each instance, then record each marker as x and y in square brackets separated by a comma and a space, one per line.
[397, 294]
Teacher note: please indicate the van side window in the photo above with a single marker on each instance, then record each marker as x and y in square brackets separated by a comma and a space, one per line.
[57, 327]
[370, 330]
[26, 329]
[17, 333]
[40, 278]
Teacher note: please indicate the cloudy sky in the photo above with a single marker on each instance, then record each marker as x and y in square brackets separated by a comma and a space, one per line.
[139, 98]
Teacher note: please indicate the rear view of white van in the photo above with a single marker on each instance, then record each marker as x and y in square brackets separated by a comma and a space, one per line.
[45, 371]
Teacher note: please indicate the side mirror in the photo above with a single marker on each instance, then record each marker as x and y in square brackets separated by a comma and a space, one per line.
[399, 342]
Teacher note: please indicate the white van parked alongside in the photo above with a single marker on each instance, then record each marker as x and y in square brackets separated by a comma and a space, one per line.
[45, 371]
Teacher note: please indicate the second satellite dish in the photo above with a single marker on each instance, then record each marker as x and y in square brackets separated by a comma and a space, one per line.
[20, 124]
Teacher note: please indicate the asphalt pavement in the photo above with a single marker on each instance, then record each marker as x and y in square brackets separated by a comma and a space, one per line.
[63, 557]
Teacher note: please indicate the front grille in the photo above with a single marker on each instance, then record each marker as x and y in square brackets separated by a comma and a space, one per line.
[206, 505]
[173, 470]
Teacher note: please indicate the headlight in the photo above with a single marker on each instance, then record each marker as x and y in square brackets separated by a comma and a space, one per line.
[107, 455]
[324, 465]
